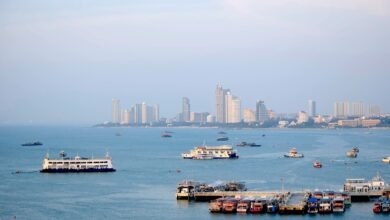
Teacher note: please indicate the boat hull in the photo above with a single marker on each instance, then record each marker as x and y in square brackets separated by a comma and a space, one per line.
[89, 170]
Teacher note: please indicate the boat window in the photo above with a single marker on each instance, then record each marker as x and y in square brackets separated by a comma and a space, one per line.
[89, 161]
[50, 162]
[66, 162]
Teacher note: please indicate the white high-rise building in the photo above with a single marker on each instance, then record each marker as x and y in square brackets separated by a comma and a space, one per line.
[341, 109]
[312, 111]
[232, 108]
[144, 114]
[186, 109]
[125, 116]
[303, 117]
[116, 111]
[357, 109]
[261, 112]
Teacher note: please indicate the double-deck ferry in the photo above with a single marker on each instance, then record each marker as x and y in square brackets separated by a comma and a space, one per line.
[77, 164]
[211, 152]
[360, 189]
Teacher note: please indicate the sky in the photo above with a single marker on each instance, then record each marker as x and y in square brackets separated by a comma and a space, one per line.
[62, 62]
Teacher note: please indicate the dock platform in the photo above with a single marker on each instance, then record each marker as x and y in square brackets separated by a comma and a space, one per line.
[295, 203]
[208, 196]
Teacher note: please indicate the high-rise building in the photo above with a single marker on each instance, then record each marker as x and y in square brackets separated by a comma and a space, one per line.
[220, 110]
[374, 111]
[186, 109]
[261, 112]
[125, 116]
[199, 116]
[138, 114]
[312, 108]
[116, 108]
[232, 108]
[249, 115]
[210, 119]
[341, 109]
[156, 113]
[145, 113]
[357, 109]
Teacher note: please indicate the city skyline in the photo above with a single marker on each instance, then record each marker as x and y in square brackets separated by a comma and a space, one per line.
[60, 62]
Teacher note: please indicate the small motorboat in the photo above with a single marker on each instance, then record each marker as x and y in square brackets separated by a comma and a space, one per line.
[37, 143]
[317, 164]
[222, 139]
[386, 159]
[166, 135]
[293, 153]
[352, 153]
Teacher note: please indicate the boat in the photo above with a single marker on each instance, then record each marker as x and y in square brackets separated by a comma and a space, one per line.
[386, 159]
[382, 205]
[230, 206]
[215, 206]
[347, 199]
[222, 139]
[317, 195]
[246, 144]
[325, 206]
[77, 164]
[352, 153]
[363, 190]
[211, 152]
[166, 135]
[243, 206]
[356, 149]
[312, 206]
[317, 164]
[272, 206]
[338, 204]
[329, 194]
[28, 144]
[256, 206]
[186, 189]
[293, 153]
[221, 132]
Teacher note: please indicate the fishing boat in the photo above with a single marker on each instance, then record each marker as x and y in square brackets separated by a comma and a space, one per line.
[312, 206]
[293, 153]
[230, 206]
[256, 206]
[272, 206]
[347, 199]
[329, 194]
[386, 159]
[211, 152]
[243, 206]
[215, 206]
[29, 144]
[382, 205]
[325, 206]
[338, 204]
[222, 139]
[317, 195]
[317, 164]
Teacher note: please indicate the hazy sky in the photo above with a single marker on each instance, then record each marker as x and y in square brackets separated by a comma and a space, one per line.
[63, 61]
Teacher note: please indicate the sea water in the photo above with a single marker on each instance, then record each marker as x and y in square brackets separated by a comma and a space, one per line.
[149, 168]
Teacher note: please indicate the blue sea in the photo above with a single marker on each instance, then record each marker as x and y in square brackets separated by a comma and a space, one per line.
[145, 182]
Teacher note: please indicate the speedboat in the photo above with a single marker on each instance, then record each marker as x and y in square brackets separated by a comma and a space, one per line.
[317, 164]
[352, 153]
[386, 159]
[293, 153]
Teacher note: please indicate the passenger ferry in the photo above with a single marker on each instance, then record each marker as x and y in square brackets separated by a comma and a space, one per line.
[360, 189]
[76, 164]
[211, 152]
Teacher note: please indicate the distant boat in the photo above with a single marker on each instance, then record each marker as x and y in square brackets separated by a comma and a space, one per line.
[246, 144]
[263, 135]
[293, 153]
[222, 139]
[166, 135]
[37, 143]
[221, 132]
[317, 164]
[352, 153]
[386, 159]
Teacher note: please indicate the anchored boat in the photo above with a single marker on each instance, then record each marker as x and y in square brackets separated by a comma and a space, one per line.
[386, 159]
[293, 153]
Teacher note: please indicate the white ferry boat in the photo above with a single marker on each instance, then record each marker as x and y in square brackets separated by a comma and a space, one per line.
[360, 189]
[77, 164]
[211, 152]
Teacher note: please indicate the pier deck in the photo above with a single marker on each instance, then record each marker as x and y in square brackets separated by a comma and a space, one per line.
[294, 203]
[208, 196]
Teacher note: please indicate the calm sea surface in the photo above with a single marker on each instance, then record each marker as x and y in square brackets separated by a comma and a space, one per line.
[145, 182]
